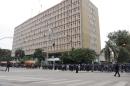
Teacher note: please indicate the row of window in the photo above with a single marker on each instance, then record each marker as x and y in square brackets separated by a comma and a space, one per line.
[47, 15]
[62, 6]
[27, 33]
[59, 14]
[44, 36]
[65, 46]
[55, 48]
[58, 40]
[51, 25]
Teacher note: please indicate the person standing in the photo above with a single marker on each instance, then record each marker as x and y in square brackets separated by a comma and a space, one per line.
[117, 68]
[7, 66]
[77, 68]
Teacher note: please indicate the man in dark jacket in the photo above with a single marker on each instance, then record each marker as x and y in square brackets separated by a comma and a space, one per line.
[117, 68]
[77, 68]
[7, 66]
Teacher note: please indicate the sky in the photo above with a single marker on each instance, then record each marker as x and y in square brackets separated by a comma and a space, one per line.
[113, 15]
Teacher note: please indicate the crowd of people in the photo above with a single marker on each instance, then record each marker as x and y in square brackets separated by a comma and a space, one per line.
[88, 67]
[76, 67]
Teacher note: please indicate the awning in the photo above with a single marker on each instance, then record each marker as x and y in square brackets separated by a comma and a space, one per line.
[3, 62]
[13, 62]
[53, 59]
[30, 62]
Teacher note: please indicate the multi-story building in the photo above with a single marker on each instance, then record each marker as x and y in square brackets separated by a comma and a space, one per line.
[69, 24]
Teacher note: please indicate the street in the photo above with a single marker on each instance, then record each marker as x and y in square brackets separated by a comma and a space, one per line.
[39, 77]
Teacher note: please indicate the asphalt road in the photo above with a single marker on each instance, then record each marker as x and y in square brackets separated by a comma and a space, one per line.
[39, 77]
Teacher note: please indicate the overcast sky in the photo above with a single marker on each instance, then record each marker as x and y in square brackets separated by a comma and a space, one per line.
[113, 15]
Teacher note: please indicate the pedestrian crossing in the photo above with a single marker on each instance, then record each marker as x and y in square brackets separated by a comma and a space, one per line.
[79, 82]
[89, 83]
[121, 83]
[103, 83]
[65, 82]
[44, 81]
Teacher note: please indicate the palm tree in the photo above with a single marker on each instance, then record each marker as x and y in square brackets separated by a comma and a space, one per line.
[107, 53]
[114, 49]
[117, 41]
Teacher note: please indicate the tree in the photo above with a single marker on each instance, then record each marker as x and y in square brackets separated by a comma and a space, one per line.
[119, 37]
[79, 56]
[39, 55]
[19, 53]
[107, 53]
[124, 55]
[113, 48]
[27, 57]
[119, 43]
[66, 58]
[127, 46]
[5, 54]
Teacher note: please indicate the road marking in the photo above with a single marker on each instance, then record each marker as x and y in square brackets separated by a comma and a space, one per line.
[50, 81]
[19, 80]
[66, 82]
[121, 83]
[103, 83]
[80, 83]
[56, 80]
[8, 84]
[22, 79]
[34, 80]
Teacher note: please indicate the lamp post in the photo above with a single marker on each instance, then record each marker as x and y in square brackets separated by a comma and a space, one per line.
[69, 38]
[53, 44]
[50, 35]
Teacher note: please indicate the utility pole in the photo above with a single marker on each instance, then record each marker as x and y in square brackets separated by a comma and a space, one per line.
[8, 37]
[50, 35]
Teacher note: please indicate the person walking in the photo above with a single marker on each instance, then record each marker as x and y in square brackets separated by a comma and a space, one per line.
[117, 70]
[7, 66]
[77, 68]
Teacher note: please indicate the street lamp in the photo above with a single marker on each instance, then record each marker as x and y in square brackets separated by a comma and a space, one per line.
[69, 38]
[50, 35]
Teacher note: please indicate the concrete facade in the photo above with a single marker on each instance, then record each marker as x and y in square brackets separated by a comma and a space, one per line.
[69, 24]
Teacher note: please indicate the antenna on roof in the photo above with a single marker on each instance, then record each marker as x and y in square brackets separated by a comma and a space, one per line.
[40, 3]
[31, 13]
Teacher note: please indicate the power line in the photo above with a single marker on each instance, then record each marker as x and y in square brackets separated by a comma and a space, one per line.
[6, 38]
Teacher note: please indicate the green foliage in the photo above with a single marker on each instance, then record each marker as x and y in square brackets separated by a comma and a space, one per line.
[119, 37]
[79, 56]
[119, 44]
[65, 58]
[5, 54]
[25, 58]
[128, 44]
[107, 53]
[39, 54]
[19, 53]
[124, 55]
[5, 58]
